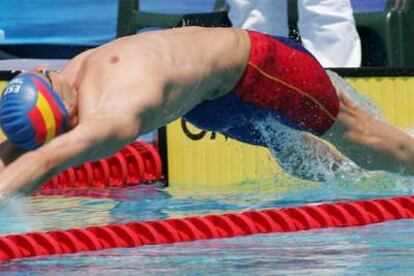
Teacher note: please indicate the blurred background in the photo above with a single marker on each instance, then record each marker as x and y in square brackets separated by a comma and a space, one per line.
[375, 33]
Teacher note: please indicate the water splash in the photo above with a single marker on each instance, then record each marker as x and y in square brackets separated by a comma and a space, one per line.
[308, 157]
[362, 101]
[14, 215]
[304, 155]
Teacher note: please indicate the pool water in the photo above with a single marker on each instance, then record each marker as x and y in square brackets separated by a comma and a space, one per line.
[381, 248]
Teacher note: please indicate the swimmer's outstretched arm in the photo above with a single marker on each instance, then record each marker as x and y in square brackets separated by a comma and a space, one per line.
[91, 140]
[10, 152]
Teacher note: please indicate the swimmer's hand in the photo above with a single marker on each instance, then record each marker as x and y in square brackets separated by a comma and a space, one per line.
[88, 141]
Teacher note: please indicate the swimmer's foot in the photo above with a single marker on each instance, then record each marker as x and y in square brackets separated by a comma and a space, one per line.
[370, 143]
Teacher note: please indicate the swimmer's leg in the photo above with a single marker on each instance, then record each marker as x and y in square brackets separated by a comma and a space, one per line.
[284, 80]
[370, 143]
[284, 77]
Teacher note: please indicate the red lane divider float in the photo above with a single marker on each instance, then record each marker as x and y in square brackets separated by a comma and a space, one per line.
[134, 164]
[208, 227]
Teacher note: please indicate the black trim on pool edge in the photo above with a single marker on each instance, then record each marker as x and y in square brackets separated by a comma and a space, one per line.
[345, 72]
[374, 72]
[163, 151]
[7, 75]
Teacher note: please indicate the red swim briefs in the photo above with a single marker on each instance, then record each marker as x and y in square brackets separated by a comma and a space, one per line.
[285, 77]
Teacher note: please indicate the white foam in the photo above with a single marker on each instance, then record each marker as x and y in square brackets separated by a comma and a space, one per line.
[302, 154]
[305, 155]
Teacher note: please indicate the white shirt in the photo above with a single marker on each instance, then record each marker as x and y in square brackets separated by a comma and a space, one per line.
[327, 27]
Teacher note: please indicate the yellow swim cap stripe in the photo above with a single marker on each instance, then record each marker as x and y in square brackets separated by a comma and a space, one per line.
[2, 136]
[48, 117]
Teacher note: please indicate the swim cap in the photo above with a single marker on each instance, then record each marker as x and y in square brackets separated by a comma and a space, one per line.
[31, 113]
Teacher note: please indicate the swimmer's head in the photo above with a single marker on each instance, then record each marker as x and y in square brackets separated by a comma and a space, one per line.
[33, 110]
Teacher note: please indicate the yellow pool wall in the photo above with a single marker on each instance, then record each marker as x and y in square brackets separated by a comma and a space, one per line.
[216, 163]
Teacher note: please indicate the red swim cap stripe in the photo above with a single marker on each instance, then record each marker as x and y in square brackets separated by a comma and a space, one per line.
[51, 101]
[38, 124]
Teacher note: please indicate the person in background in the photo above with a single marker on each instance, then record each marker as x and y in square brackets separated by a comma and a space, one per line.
[327, 27]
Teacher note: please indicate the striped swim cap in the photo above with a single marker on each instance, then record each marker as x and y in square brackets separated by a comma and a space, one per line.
[31, 113]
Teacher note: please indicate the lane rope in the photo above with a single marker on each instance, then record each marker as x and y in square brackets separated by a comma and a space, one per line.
[133, 234]
[134, 164]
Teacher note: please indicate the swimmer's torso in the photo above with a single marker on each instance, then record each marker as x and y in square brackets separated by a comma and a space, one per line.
[150, 76]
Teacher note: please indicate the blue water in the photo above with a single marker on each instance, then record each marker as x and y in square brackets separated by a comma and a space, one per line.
[382, 248]
[40, 25]
[37, 24]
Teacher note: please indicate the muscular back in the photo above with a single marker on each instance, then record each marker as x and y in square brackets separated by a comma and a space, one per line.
[158, 76]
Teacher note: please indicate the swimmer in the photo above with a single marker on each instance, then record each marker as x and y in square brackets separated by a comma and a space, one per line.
[106, 97]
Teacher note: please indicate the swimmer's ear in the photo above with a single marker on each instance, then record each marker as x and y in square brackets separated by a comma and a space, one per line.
[57, 82]
[68, 95]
